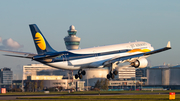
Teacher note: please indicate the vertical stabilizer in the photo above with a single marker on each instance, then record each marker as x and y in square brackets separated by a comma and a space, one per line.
[42, 46]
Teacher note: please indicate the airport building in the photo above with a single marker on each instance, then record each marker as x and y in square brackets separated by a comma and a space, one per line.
[30, 71]
[93, 75]
[127, 77]
[44, 72]
[141, 72]
[6, 76]
[155, 78]
[122, 84]
[51, 77]
[72, 41]
[56, 77]
[125, 72]
[163, 76]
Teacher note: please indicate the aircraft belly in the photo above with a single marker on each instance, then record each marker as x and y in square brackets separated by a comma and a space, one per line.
[64, 65]
[82, 61]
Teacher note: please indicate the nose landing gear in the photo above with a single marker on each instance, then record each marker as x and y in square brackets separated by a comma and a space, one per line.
[80, 74]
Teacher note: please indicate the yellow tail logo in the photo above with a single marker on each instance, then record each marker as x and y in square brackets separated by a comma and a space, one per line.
[40, 41]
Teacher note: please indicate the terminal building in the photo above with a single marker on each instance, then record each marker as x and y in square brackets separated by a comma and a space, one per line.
[38, 71]
[57, 77]
[51, 77]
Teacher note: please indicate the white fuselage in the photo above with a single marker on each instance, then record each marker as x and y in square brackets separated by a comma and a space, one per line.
[132, 47]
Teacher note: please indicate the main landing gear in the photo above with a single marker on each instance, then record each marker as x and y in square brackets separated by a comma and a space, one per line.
[112, 72]
[80, 73]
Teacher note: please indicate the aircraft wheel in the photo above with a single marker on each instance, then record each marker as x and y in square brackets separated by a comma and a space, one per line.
[83, 72]
[115, 72]
[80, 76]
[112, 76]
[76, 76]
[80, 71]
[108, 76]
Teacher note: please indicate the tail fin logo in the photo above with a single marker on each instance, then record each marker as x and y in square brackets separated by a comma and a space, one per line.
[40, 41]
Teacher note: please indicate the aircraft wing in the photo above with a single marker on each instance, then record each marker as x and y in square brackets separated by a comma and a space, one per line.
[107, 62]
[159, 50]
[21, 54]
[123, 59]
[136, 56]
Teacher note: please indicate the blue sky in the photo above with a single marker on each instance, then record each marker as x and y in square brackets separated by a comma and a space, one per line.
[98, 22]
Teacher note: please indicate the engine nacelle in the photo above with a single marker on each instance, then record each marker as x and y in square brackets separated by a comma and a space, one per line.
[140, 63]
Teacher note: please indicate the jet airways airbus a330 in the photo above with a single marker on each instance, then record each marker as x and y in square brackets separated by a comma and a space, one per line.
[98, 57]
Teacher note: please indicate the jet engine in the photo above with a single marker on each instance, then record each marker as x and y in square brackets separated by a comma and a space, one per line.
[140, 63]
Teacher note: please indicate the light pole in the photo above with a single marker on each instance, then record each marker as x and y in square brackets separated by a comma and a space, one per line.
[135, 83]
[87, 81]
[22, 85]
[23, 80]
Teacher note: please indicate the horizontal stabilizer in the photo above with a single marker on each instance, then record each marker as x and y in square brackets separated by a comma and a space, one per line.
[46, 56]
[25, 54]
[18, 56]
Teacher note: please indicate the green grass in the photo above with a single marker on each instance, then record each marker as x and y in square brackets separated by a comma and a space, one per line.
[99, 96]
[87, 92]
[109, 98]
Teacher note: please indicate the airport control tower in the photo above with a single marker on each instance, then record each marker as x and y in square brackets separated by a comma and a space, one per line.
[72, 41]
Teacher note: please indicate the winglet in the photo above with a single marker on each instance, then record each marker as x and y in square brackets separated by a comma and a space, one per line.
[168, 44]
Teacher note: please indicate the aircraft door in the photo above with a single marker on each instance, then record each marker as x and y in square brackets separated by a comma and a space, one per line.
[64, 58]
[95, 55]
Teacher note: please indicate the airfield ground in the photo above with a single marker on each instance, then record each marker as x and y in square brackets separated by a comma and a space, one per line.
[93, 95]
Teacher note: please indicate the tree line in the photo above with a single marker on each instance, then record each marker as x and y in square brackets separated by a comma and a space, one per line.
[101, 84]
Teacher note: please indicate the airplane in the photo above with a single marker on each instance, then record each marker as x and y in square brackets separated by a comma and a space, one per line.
[97, 57]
